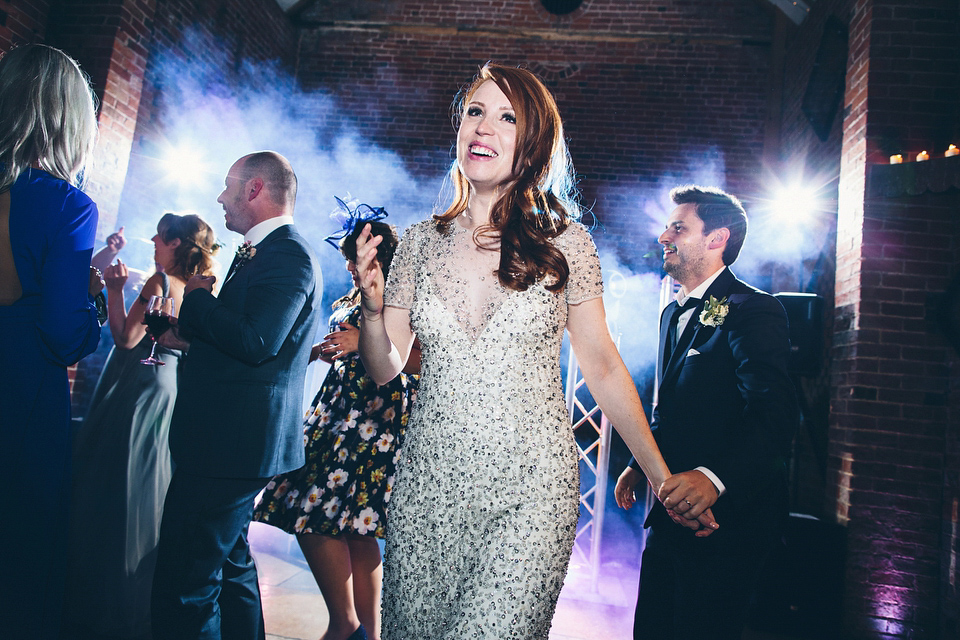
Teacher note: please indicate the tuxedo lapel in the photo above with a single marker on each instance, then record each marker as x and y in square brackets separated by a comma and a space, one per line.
[683, 344]
[233, 268]
[693, 330]
[664, 352]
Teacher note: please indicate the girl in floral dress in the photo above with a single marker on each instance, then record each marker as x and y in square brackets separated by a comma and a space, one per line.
[336, 503]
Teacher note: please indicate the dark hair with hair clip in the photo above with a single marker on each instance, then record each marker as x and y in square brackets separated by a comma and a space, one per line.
[352, 218]
[385, 251]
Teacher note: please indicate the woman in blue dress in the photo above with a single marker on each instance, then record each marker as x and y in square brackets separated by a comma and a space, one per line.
[121, 464]
[48, 321]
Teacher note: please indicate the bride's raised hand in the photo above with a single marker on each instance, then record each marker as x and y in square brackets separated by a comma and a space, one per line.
[368, 276]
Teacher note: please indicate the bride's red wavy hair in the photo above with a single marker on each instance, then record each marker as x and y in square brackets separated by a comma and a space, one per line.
[539, 200]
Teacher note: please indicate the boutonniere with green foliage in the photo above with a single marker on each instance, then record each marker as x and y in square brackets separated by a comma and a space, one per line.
[246, 251]
[714, 312]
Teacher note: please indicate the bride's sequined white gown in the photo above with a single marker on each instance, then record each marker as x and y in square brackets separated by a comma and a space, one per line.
[484, 513]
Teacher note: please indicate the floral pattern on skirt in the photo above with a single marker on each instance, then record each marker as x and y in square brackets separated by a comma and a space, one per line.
[352, 432]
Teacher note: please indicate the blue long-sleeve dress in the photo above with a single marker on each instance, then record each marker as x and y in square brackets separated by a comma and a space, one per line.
[50, 327]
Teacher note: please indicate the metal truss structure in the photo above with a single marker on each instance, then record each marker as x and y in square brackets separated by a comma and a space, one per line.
[594, 453]
[594, 450]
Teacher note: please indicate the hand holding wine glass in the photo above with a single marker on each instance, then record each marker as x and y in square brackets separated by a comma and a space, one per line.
[157, 318]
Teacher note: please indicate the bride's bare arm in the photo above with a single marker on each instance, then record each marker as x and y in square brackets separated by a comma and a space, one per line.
[613, 389]
[385, 333]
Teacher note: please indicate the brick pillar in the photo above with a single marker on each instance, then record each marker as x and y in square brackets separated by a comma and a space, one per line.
[111, 39]
[893, 370]
[22, 21]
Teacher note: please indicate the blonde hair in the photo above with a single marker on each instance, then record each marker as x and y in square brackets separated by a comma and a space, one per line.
[47, 114]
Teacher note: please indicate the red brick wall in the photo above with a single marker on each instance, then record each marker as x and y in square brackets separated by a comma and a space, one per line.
[645, 88]
[891, 411]
[111, 42]
[892, 475]
[217, 36]
[913, 74]
[22, 22]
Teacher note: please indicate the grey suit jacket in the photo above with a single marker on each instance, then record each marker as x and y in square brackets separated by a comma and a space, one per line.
[239, 405]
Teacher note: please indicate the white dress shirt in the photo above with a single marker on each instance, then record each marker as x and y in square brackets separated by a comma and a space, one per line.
[258, 232]
[682, 322]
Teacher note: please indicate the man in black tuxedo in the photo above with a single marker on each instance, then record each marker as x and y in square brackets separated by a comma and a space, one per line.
[237, 420]
[725, 408]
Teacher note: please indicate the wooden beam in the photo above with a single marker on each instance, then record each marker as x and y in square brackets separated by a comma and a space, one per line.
[551, 35]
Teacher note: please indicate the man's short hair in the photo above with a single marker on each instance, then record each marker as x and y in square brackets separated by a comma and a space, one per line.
[718, 210]
[276, 173]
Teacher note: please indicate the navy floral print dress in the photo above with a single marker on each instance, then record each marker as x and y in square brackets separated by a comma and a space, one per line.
[352, 432]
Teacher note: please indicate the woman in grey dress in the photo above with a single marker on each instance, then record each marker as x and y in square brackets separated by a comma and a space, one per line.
[121, 461]
[485, 507]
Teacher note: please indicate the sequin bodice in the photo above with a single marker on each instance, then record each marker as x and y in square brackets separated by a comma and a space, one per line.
[487, 487]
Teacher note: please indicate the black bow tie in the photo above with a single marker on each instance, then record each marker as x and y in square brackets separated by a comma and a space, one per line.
[672, 326]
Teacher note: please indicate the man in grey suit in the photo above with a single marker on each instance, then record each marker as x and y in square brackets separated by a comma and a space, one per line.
[237, 421]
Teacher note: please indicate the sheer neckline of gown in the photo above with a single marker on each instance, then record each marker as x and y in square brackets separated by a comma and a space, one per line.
[468, 287]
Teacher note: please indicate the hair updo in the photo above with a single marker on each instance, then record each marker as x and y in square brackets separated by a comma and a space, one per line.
[194, 255]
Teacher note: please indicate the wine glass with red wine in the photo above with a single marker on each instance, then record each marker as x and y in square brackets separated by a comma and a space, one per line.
[157, 318]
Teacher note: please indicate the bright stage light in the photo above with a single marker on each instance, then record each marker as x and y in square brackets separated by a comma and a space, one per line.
[184, 166]
[795, 204]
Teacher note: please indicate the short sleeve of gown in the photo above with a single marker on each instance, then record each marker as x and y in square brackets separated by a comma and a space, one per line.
[401, 283]
[586, 280]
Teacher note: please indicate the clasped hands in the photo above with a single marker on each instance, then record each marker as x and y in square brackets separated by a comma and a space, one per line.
[687, 497]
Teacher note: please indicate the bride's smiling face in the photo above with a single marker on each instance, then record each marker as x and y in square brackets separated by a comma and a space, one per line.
[487, 138]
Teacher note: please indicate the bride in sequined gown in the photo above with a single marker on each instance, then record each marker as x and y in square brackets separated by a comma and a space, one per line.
[484, 512]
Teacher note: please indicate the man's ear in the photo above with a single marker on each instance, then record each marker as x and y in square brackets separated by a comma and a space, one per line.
[718, 238]
[254, 186]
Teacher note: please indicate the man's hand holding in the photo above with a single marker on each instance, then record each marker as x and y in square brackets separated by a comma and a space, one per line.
[171, 338]
[199, 282]
[689, 495]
